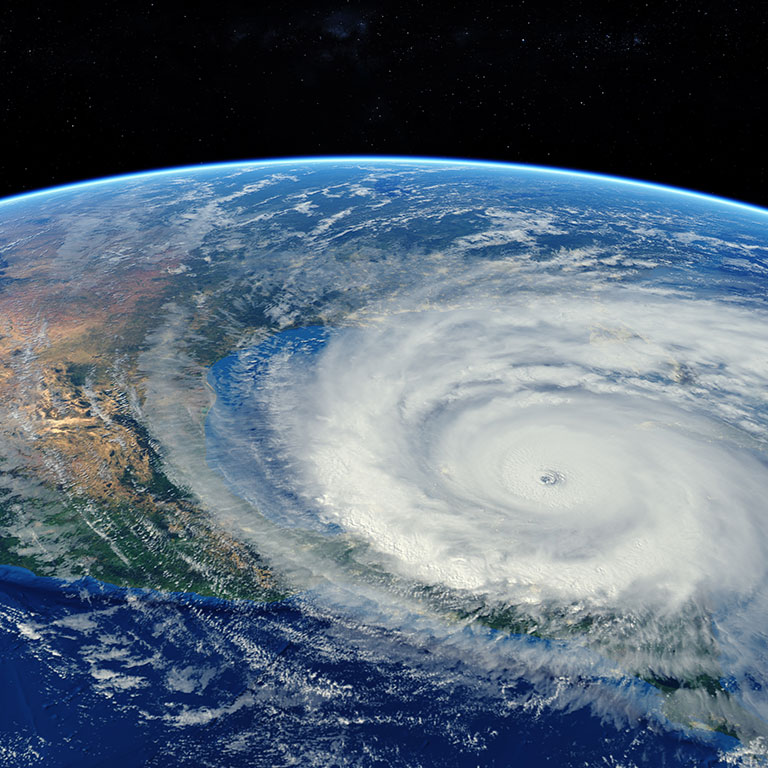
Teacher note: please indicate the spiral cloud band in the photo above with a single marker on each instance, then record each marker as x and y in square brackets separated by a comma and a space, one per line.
[593, 450]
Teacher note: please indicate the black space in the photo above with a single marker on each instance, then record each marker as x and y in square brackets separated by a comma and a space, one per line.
[671, 92]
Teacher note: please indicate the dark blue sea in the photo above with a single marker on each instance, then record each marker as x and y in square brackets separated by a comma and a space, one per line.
[94, 675]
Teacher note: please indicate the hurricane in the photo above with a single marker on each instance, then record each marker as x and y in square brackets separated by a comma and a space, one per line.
[571, 456]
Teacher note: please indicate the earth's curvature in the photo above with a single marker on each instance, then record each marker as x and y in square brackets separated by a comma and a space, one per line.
[369, 461]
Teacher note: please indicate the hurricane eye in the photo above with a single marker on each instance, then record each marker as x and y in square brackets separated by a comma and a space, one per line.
[551, 477]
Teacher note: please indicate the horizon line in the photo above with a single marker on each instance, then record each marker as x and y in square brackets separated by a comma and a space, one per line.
[403, 159]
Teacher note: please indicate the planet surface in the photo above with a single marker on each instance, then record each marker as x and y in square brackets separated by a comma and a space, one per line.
[382, 461]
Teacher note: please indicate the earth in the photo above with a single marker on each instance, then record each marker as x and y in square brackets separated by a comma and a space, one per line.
[370, 461]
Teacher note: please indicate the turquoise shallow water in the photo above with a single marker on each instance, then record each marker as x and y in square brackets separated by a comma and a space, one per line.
[239, 442]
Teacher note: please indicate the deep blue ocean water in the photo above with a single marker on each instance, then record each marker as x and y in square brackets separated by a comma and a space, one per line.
[383, 705]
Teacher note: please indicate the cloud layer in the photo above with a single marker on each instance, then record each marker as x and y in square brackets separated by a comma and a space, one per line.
[558, 450]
